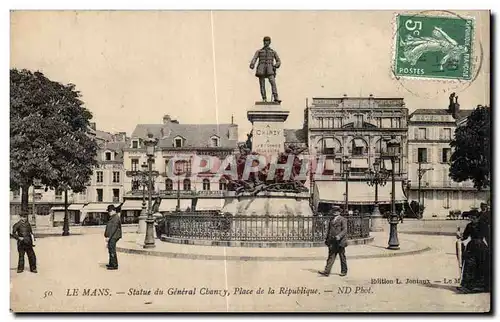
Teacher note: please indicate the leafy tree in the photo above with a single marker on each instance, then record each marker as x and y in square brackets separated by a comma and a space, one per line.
[471, 158]
[49, 134]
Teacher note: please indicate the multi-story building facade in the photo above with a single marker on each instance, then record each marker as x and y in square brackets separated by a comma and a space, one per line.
[196, 191]
[430, 135]
[357, 128]
[106, 184]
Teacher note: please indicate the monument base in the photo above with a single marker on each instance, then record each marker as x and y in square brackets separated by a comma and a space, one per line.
[377, 223]
[141, 229]
[268, 127]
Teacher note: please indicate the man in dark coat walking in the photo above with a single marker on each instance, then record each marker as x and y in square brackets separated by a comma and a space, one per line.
[112, 234]
[23, 233]
[336, 240]
[269, 61]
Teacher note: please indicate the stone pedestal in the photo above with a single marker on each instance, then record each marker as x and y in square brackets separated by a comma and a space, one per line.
[268, 120]
[141, 228]
[378, 223]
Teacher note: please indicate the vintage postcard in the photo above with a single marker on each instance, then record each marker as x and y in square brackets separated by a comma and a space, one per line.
[250, 161]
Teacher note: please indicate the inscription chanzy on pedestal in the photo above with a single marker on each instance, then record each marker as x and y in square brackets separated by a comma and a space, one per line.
[268, 127]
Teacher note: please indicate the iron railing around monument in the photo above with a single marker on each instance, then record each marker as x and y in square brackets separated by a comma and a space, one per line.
[259, 228]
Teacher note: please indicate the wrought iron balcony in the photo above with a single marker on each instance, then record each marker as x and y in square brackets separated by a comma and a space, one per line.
[211, 193]
[173, 193]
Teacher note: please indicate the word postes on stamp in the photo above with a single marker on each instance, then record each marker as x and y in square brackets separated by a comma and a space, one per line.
[437, 47]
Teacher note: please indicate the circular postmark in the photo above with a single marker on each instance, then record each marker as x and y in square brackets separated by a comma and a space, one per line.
[435, 51]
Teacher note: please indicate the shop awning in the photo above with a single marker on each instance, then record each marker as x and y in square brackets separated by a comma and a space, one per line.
[358, 143]
[385, 192]
[329, 143]
[76, 206]
[359, 192]
[359, 163]
[329, 164]
[388, 164]
[132, 205]
[97, 207]
[209, 204]
[57, 208]
[171, 204]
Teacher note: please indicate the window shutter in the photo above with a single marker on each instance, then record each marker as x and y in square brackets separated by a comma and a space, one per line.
[415, 155]
[441, 134]
[429, 155]
[415, 134]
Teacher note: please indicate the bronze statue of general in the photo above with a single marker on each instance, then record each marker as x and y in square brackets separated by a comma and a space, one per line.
[266, 68]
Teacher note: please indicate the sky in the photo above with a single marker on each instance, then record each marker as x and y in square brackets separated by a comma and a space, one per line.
[136, 66]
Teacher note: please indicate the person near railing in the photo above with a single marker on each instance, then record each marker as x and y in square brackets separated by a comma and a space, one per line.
[336, 240]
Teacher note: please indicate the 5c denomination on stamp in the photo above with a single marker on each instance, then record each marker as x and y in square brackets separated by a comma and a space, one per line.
[437, 47]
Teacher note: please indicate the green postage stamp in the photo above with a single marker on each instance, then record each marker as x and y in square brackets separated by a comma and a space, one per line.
[433, 47]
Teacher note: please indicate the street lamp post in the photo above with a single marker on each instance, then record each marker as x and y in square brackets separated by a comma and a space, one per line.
[347, 164]
[141, 227]
[37, 184]
[421, 171]
[149, 240]
[393, 148]
[178, 207]
[376, 177]
[141, 178]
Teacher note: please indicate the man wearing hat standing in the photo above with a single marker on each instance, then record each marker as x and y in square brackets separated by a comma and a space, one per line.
[112, 234]
[266, 68]
[336, 240]
[23, 233]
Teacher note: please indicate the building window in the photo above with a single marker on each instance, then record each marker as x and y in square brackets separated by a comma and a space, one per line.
[358, 147]
[116, 195]
[422, 134]
[215, 142]
[135, 144]
[206, 184]
[328, 150]
[100, 176]
[135, 185]
[186, 185]
[169, 185]
[135, 164]
[396, 122]
[99, 195]
[422, 155]
[116, 177]
[447, 134]
[446, 155]
[222, 184]
[178, 143]
[107, 156]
